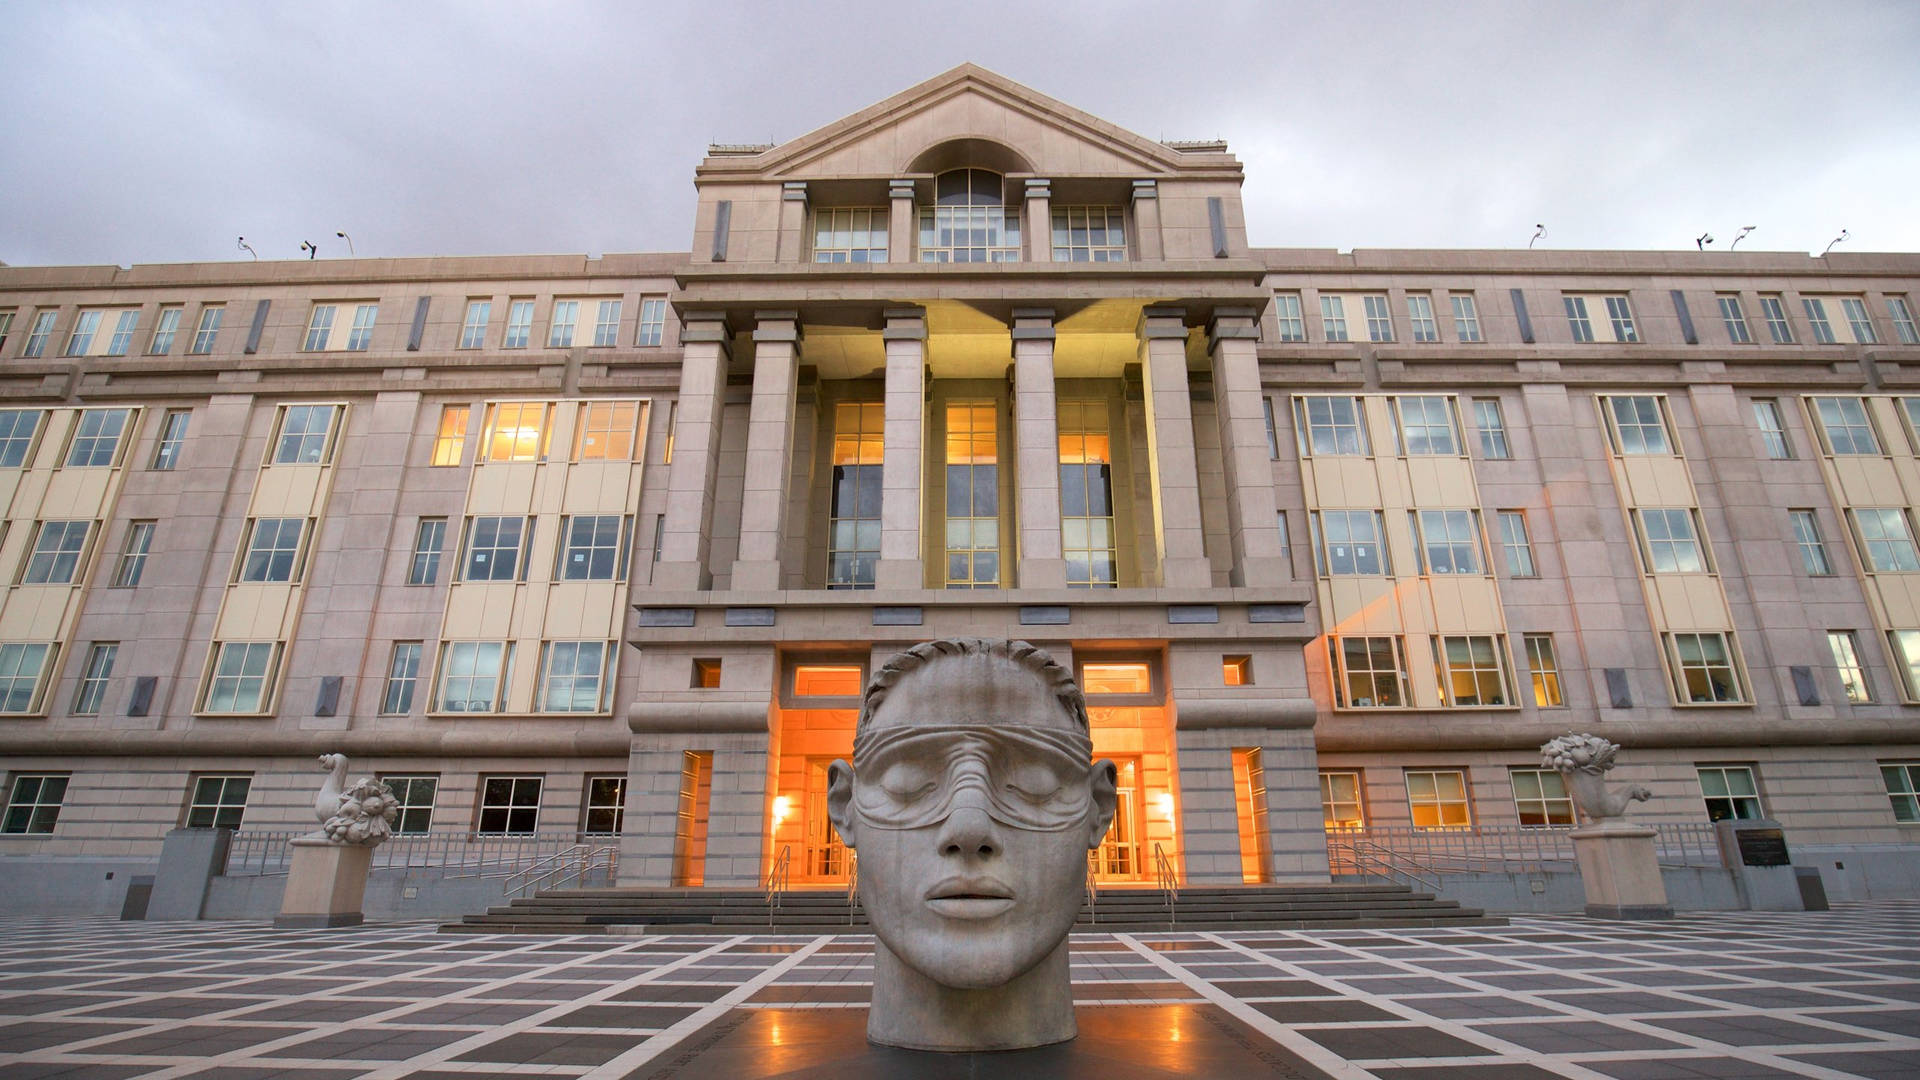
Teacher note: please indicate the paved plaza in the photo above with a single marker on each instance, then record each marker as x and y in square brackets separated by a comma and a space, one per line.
[1744, 995]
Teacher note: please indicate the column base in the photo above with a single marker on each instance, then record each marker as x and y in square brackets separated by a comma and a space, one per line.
[756, 576]
[1617, 911]
[326, 883]
[1620, 871]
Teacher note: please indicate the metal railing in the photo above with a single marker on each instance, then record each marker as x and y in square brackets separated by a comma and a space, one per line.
[1409, 853]
[266, 852]
[853, 886]
[1168, 879]
[569, 867]
[778, 879]
[1093, 888]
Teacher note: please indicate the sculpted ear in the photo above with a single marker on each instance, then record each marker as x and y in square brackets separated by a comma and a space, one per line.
[1103, 782]
[840, 800]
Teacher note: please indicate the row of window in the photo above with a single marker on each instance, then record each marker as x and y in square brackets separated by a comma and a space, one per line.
[1371, 671]
[85, 339]
[1377, 315]
[504, 806]
[983, 232]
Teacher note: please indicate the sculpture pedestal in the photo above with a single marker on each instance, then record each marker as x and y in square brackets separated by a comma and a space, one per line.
[1620, 871]
[326, 884]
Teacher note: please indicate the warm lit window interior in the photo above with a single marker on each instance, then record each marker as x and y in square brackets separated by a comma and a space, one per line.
[1115, 677]
[706, 674]
[826, 680]
[1236, 670]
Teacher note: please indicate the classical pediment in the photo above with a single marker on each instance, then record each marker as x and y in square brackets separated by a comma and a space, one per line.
[969, 116]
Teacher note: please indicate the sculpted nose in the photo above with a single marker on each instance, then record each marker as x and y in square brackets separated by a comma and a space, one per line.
[969, 833]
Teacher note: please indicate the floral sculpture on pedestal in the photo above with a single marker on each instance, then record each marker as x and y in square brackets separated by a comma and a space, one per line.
[360, 814]
[1584, 760]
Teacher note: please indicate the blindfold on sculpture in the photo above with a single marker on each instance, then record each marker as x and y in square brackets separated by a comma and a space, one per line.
[1031, 778]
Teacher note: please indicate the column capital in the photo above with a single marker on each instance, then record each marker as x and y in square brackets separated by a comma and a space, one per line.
[794, 191]
[899, 189]
[904, 324]
[1146, 189]
[1039, 189]
[1161, 321]
[776, 326]
[1232, 323]
[700, 327]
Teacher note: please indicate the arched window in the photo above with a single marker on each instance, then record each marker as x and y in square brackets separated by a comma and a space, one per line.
[969, 221]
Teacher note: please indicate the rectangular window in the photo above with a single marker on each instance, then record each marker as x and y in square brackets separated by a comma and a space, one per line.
[956, 230]
[606, 324]
[566, 313]
[1420, 320]
[851, 234]
[1843, 420]
[1577, 320]
[429, 540]
[1449, 541]
[1466, 318]
[1089, 234]
[1236, 670]
[1730, 792]
[517, 431]
[653, 321]
[1897, 309]
[1620, 315]
[1379, 318]
[218, 802]
[1472, 671]
[519, 324]
[1816, 310]
[1906, 652]
[1540, 797]
[306, 435]
[1703, 669]
[1887, 538]
[1543, 667]
[1340, 800]
[207, 331]
[37, 337]
[1438, 799]
[1858, 321]
[1902, 779]
[165, 329]
[828, 680]
[1846, 662]
[403, 676]
[6, 327]
[473, 329]
[1086, 496]
[853, 537]
[242, 679]
[493, 548]
[17, 429]
[1426, 426]
[1515, 543]
[606, 806]
[1670, 540]
[1286, 544]
[593, 548]
[1333, 318]
[133, 555]
[360, 338]
[509, 805]
[1349, 542]
[96, 438]
[273, 550]
[319, 327]
[173, 439]
[415, 794]
[1734, 319]
[33, 804]
[1368, 672]
[1273, 435]
[58, 548]
[450, 441]
[706, 674]
[572, 674]
[1773, 429]
[472, 676]
[1638, 425]
[1293, 326]
[1806, 536]
[122, 338]
[93, 678]
[84, 328]
[606, 430]
[1330, 425]
[973, 496]
[21, 668]
[1774, 310]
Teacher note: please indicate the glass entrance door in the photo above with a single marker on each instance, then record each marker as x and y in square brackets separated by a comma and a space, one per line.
[1120, 857]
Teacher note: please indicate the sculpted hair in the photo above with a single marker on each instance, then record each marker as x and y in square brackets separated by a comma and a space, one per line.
[1021, 654]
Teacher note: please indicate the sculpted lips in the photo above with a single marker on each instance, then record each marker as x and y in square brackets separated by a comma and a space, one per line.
[970, 898]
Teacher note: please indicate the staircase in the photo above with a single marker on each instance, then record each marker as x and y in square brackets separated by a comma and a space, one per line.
[1128, 910]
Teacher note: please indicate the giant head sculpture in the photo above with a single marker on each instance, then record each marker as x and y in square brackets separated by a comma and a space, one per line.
[972, 800]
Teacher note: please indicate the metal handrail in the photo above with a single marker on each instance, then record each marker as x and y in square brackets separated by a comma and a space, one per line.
[1169, 881]
[777, 879]
[268, 852]
[1093, 889]
[1405, 850]
[563, 868]
[853, 886]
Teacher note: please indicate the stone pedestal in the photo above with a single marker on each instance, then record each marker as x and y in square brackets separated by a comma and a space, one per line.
[326, 884]
[1621, 872]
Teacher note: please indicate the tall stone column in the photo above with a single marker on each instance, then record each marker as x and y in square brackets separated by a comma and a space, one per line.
[1240, 407]
[763, 511]
[708, 348]
[900, 223]
[902, 564]
[1036, 452]
[1170, 456]
[1039, 220]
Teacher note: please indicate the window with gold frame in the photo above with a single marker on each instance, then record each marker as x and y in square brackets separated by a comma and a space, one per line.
[518, 430]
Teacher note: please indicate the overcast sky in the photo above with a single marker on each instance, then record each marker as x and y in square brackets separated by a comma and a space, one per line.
[158, 132]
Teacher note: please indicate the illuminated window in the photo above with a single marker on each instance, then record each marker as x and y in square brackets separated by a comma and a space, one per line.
[853, 547]
[1540, 796]
[706, 674]
[218, 802]
[1472, 671]
[1236, 670]
[1730, 792]
[1543, 667]
[606, 431]
[1846, 661]
[1438, 799]
[450, 442]
[973, 497]
[1087, 531]
[516, 431]
[1703, 669]
[1368, 672]
[1340, 800]
[851, 234]
[1116, 677]
[828, 680]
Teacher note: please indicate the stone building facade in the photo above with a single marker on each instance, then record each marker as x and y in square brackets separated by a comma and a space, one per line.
[607, 546]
